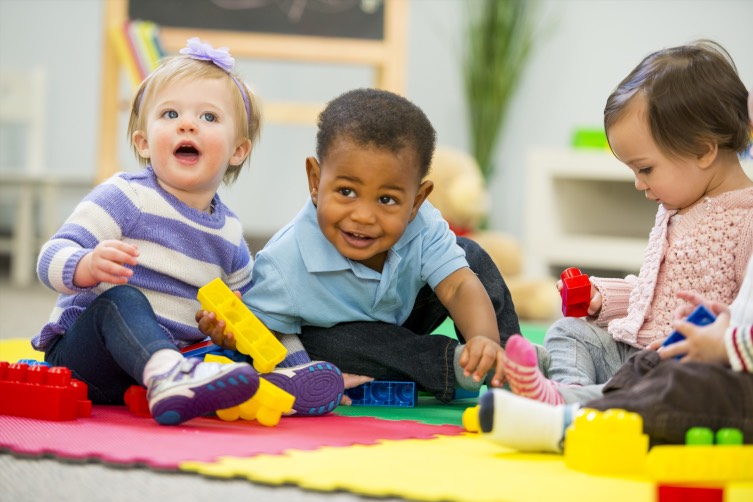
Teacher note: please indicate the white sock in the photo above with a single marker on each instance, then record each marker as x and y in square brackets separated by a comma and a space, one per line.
[524, 424]
[161, 362]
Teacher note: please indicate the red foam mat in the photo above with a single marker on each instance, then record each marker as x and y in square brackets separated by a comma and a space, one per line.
[114, 435]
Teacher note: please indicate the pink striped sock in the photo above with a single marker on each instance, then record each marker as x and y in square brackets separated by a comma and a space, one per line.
[523, 374]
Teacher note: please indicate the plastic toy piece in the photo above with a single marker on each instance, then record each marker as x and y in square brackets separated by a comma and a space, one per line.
[135, 400]
[700, 317]
[41, 392]
[266, 406]
[465, 394]
[384, 393]
[699, 436]
[729, 437]
[201, 349]
[699, 463]
[575, 293]
[251, 336]
[606, 443]
[470, 419]
[670, 493]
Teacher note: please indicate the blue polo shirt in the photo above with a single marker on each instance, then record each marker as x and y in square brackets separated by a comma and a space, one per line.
[300, 279]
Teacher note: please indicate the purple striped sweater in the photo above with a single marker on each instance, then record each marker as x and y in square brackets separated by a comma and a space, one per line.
[181, 249]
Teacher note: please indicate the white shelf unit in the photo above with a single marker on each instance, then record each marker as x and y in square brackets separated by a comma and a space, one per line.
[582, 210]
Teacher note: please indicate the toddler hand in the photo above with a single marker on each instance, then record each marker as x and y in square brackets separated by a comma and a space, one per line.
[351, 381]
[106, 263]
[479, 356]
[214, 328]
[703, 344]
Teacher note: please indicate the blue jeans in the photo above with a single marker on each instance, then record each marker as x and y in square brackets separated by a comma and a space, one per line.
[409, 352]
[109, 344]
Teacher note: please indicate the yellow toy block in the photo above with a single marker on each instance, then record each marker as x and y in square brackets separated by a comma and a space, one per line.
[251, 336]
[606, 443]
[700, 464]
[266, 406]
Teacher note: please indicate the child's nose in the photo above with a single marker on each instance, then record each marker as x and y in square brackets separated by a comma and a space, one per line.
[362, 213]
[640, 185]
[187, 124]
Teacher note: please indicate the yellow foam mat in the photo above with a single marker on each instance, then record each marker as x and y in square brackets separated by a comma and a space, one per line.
[462, 468]
[15, 349]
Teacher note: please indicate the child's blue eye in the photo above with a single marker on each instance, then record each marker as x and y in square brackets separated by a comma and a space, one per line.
[170, 114]
[209, 117]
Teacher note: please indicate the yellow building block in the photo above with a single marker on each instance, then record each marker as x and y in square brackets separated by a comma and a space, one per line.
[606, 443]
[700, 464]
[266, 406]
[251, 336]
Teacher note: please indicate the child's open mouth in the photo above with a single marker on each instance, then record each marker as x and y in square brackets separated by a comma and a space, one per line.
[187, 153]
[357, 240]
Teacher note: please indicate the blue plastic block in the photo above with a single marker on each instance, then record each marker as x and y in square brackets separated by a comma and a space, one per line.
[700, 316]
[201, 349]
[384, 393]
[34, 362]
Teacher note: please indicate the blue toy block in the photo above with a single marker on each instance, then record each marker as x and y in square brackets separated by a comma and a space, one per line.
[700, 317]
[201, 349]
[384, 393]
[34, 362]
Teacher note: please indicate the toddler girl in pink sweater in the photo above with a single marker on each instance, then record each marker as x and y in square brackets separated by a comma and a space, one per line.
[678, 121]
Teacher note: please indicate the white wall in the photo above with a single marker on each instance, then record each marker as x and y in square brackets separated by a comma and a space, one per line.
[588, 47]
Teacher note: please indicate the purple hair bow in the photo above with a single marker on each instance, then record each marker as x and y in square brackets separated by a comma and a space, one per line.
[205, 52]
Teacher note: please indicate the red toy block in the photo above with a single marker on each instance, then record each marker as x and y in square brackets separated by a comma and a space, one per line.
[135, 400]
[672, 493]
[41, 392]
[576, 293]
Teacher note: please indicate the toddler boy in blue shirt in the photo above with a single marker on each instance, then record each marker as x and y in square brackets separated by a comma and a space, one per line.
[368, 269]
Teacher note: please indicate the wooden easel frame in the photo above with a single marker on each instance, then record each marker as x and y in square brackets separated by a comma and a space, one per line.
[386, 56]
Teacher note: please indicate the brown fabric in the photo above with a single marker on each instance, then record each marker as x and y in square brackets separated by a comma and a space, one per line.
[672, 397]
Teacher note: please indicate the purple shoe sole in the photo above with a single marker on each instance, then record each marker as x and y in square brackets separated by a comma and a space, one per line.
[225, 391]
[317, 386]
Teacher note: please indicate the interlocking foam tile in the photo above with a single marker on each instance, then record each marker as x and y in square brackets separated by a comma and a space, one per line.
[461, 468]
[428, 410]
[113, 434]
[16, 349]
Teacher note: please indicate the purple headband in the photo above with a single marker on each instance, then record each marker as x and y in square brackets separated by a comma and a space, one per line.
[196, 49]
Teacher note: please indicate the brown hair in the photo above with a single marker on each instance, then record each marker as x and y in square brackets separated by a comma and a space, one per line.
[693, 95]
[181, 68]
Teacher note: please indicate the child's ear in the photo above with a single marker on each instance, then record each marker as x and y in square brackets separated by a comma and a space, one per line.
[423, 193]
[241, 152]
[140, 143]
[313, 172]
[708, 157]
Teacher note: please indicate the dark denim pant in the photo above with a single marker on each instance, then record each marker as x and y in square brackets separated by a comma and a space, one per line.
[408, 352]
[109, 344]
[672, 397]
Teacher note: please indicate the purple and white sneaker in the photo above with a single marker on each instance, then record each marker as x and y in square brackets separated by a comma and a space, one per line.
[317, 386]
[193, 388]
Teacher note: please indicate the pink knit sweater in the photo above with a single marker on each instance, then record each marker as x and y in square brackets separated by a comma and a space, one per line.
[705, 250]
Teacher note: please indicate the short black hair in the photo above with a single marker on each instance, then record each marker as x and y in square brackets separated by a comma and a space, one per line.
[378, 118]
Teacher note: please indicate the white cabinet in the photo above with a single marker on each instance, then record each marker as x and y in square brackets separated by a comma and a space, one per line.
[582, 210]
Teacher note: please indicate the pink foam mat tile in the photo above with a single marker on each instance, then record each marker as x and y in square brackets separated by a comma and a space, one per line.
[112, 434]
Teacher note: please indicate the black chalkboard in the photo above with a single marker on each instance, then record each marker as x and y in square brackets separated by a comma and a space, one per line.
[361, 19]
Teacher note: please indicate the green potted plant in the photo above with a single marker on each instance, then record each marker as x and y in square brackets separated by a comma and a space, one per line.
[497, 47]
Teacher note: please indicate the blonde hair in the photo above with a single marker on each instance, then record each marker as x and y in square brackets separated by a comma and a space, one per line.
[182, 68]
